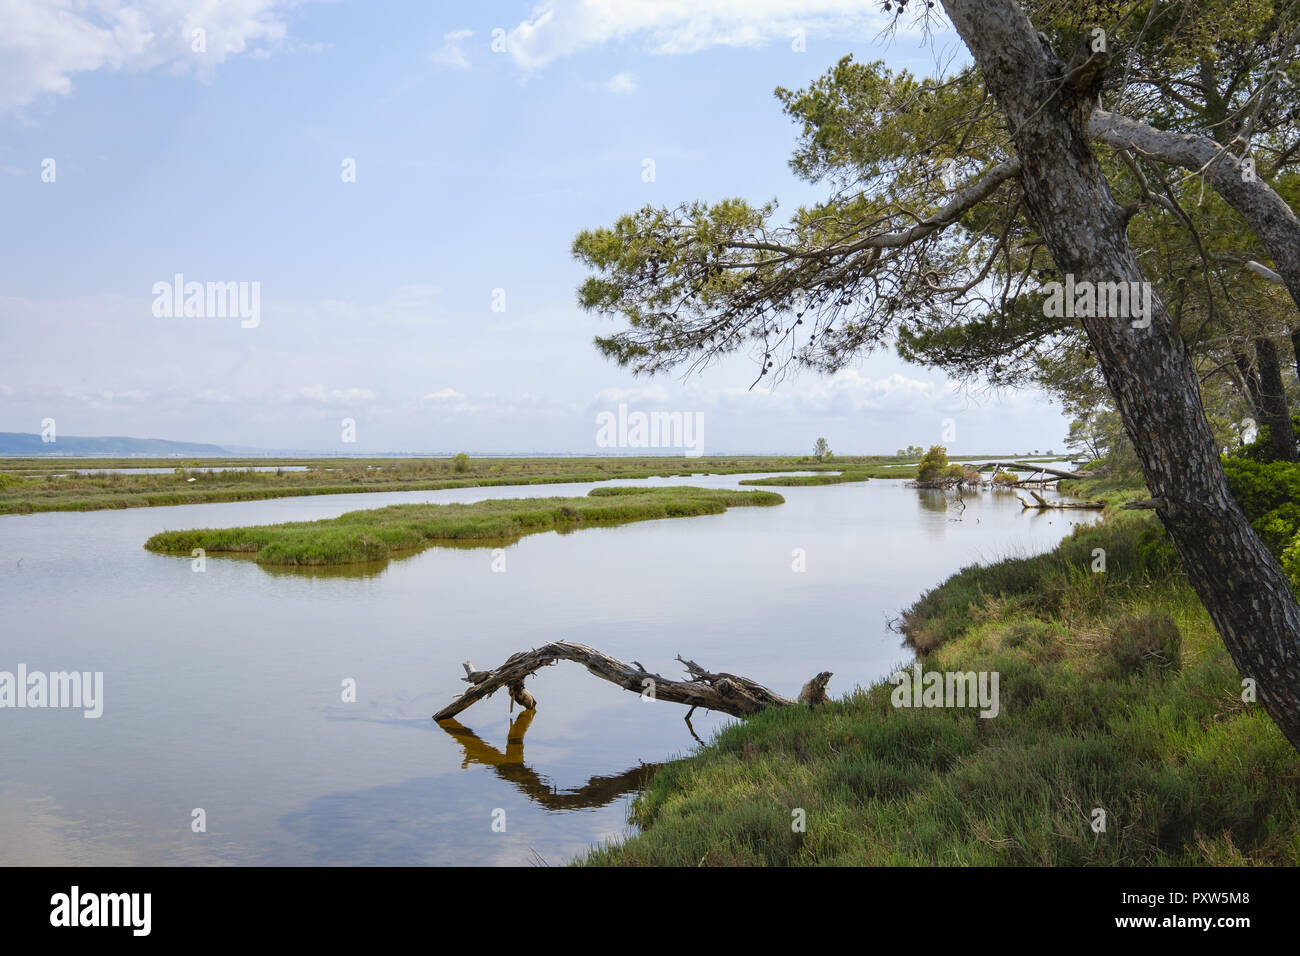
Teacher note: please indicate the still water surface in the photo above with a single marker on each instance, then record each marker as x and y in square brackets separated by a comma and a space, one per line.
[222, 690]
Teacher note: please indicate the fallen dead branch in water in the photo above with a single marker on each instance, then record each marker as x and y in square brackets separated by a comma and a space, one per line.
[1062, 505]
[727, 693]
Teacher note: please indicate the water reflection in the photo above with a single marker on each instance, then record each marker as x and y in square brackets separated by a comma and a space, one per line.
[934, 499]
[223, 688]
[358, 569]
[599, 791]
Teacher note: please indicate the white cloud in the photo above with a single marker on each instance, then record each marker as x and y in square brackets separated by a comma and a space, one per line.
[646, 395]
[445, 395]
[44, 44]
[558, 28]
[409, 306]
[621, 83]
[450, 55]
[845, 393]
[104, 365]
[318, 393]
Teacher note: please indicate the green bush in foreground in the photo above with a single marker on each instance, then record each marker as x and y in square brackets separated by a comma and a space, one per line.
[376, 534]
[1269, 494]
[1115, 693]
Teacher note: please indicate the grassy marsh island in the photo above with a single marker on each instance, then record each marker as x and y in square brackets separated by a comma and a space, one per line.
[791, 481]
[58, 484]
[1116, 693]
[52, 484]
[379, 533]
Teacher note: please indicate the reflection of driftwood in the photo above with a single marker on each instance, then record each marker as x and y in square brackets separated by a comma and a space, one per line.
[1089, 505]
[510, 766]
[727, 693]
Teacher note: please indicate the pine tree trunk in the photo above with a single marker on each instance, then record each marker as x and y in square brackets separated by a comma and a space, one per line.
[1249, 381]
[1273, 410]
[1147, 370]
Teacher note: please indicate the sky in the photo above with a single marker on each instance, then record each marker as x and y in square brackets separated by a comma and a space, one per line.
[400, 184]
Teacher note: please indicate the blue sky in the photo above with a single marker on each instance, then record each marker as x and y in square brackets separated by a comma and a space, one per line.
[475, 168]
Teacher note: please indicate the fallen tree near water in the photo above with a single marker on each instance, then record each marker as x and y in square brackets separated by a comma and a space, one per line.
[727, 693]
[1022, 466]
[1043, 504]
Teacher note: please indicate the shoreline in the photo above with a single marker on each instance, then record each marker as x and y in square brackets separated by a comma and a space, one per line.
[32, 486]
[1122, 737]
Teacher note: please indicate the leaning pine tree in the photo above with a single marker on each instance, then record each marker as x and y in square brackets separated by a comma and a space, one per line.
[951, 199]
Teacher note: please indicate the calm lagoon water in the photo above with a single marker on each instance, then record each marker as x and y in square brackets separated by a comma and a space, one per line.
[223, 690]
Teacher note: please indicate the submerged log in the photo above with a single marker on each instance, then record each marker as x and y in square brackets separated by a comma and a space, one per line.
[1062, 505]
[727, 693]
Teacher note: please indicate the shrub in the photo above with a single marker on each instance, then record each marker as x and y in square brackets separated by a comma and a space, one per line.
[1269, 494]
[1025, 632]
[1261, 449]
[934, 464]
[1144, 643]
[1155, 551]
[460, 463]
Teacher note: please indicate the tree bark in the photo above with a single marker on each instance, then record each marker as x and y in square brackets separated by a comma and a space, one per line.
[1273, 410]
[1147, 369]
[1249, 380]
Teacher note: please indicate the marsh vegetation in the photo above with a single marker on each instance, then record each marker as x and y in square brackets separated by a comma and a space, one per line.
[376, 534]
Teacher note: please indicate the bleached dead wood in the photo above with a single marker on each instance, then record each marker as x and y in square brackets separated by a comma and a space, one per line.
[1023, 466]
[1061, 505]
[727, 693]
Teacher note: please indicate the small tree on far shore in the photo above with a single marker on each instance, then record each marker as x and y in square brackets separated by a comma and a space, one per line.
[822, 450]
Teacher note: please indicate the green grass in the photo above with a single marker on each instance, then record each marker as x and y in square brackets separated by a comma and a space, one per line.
[47, 484]
[790, 481]
[379, 533]
[1115, 692]
[1114, 492]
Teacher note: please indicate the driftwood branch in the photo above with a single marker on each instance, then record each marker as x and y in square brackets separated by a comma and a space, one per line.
[727, 693]
[1023, 466]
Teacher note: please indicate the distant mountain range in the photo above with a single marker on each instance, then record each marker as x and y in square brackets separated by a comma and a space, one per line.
[31, 445]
